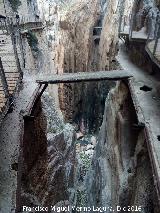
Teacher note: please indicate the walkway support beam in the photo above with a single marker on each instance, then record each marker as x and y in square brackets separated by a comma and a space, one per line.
[113, 75]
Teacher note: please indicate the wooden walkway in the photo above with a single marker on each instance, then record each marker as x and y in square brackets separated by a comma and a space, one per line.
[9, 69]
[31, 26]
[84, 77]
[134, 35]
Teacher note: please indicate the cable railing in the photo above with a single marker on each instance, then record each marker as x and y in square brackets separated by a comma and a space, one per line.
[4, 80]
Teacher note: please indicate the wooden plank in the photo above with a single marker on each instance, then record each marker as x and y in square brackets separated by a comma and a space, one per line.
[12, 74]
[85, 76]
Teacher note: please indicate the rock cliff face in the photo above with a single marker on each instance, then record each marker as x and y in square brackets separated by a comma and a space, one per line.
[75, 50]
[82, 36]
[47, 160]
[144, 21]
[85, 43]
[84, 46]
[108, 45]
[120, 174]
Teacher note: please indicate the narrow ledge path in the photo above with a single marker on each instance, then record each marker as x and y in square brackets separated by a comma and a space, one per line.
[145, 93]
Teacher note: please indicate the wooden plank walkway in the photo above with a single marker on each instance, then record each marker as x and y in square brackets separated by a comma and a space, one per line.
[31, 26]
[10, 68]
[84, 77]
[134, 35]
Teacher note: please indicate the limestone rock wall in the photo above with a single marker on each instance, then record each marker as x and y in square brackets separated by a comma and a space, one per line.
[108, 46]
[79, 50]
[121, 173]
[75, 50]
[144, 16]
[47, 160]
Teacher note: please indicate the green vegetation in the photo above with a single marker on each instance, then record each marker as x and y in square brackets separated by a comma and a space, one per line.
[33, 41]
[81, 198]
[85, 160]
[15, 4]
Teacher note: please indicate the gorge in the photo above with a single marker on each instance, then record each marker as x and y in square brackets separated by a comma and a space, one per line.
[87, 146]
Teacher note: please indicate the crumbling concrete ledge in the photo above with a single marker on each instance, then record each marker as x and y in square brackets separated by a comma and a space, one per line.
[150, 135]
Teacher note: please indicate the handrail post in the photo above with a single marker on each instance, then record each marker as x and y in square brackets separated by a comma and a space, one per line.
[149, 31]
[132, 22]
[3, 80]
[156, 41]
[13, 38]
[20, 42]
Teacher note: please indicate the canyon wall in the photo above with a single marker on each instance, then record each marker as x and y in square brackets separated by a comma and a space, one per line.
[144, 18]
[84, 48]
[121, 174]
[76, 48]
[82, 36]
[47, 161]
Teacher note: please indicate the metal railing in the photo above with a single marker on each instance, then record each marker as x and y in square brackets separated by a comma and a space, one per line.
[4, 80]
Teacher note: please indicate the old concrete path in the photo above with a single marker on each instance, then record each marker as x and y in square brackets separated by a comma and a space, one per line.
[145, 93]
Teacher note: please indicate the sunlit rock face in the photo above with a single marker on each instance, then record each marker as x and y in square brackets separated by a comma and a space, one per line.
[82, 48]
[75, 51]
[109, 36]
